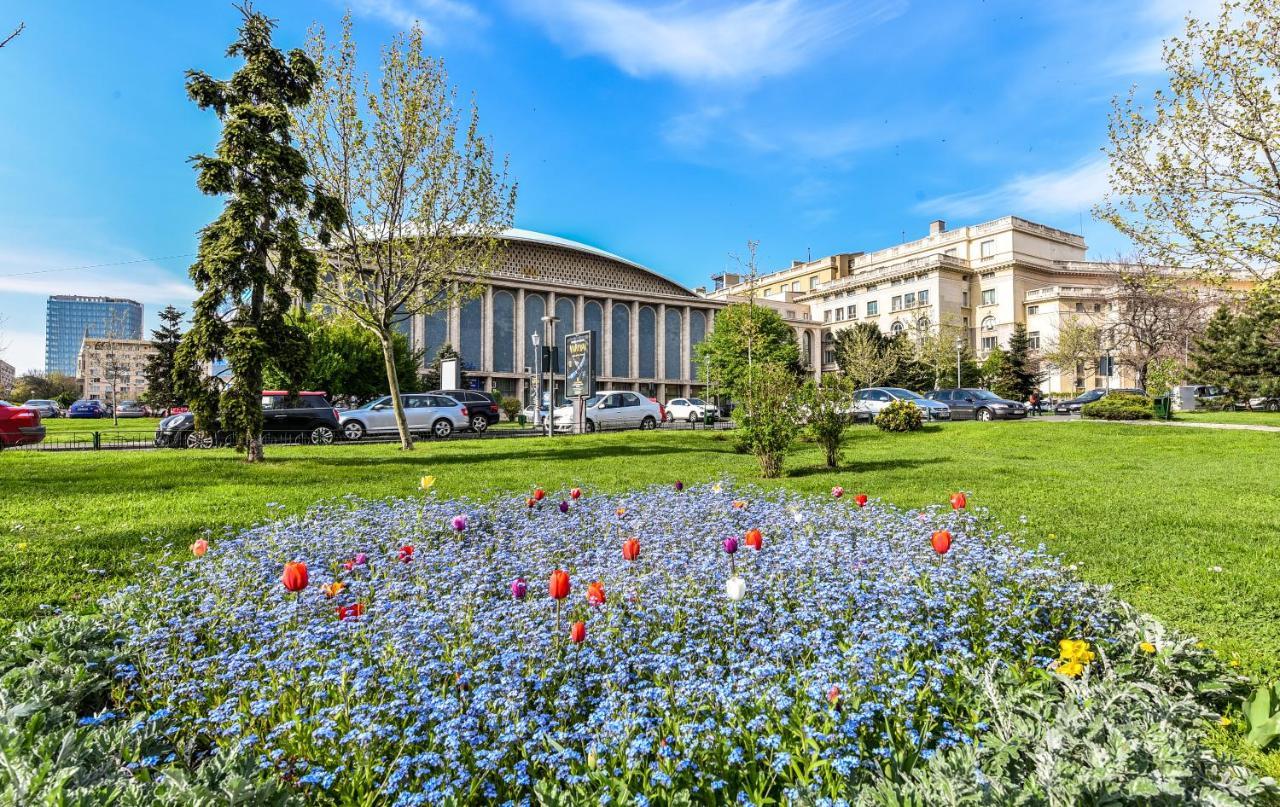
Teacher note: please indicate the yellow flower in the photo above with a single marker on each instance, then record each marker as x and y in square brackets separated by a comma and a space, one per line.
[22, 546]
[1235, 662]
[333, 589]
[717, 487]
[1224, 721]
[1147, 647]
[1075, 650]
[427, 482]
[1071, 669]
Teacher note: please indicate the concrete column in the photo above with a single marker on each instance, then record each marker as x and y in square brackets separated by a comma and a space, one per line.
[634, 347]
[579, 315]
[486, 331]
[660, 334]
[455, 326]
[686, 351]
[521, 335]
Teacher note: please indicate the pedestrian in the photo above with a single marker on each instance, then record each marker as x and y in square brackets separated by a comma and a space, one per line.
[1034, 402]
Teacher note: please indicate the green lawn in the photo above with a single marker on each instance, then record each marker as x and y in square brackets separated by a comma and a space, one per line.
[1152, 511]
[1259, 418]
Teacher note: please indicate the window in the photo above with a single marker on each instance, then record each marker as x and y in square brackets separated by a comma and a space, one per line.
[896, 303]
[988, 343]
[593, 320]
[471, 344]
[897, 328]
[504, 332]
[1097, 307]
[697, 333]
[826, 316]
[1033, 340]
[909, 299]
[648, 343]
[839, 314]
[621, 350]
[988, 296]
[923, 323]
[813, 282]
[671, 347]
[923, 297]
[853, 311]
[964, 299]
[1080, 308]
[1033, 309]
[987, 248]
[795, 285]
[873, 308]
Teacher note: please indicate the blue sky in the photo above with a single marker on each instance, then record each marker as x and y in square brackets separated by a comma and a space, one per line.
[668, 132]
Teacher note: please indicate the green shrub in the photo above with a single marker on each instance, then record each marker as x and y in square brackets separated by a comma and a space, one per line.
[768, 423]
[900, 416]
[510, 407]
[1119, 406]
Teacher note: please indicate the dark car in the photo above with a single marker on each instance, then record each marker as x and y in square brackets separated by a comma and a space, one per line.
[481, 406]
[86, 408]
[19, 425]
[1072, 406]
[306, 417]
[971, 403]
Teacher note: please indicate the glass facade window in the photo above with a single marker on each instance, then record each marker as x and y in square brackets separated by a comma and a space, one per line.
[70, 318]
[648, 343]
[621, 354]
[673, 333]
[593, 320]
[564, 325]
[436, 332]
[471, 334]
[697, 334]
[534, 309]
[504, 332]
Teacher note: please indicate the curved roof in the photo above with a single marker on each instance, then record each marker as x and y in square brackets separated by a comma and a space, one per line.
[533, 237]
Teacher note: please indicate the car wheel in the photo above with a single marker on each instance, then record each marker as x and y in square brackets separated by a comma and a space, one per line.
[479, 423]
[321, 436]
[649, 422]
[199, 440]
[984, 414]
[1273, 406]
[692, 418]
[353, 430]
[442, 428]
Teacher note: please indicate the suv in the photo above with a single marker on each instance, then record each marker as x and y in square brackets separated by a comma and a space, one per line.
[482, 408]
[979, 404]
[304, 417]
[690, 409]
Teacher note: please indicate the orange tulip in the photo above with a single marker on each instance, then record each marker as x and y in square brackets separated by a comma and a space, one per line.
[199, 548]
[333, 589]
[754, 539]
[631, 549]
[958, 501]
[578, 633]
[941, 542]
[595, 593]
[295, 577]
[559, 587]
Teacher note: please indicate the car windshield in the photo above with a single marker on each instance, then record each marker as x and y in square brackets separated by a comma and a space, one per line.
[905, 394]
[982, 394]
[385, 399]
[1093, 395]
[697, 402]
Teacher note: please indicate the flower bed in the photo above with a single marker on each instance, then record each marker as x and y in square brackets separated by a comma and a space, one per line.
[715, 644]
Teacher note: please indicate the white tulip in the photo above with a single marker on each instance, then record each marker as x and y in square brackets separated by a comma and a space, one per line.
[736, 588]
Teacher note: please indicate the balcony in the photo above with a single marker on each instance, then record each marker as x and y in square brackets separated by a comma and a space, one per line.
[913, 265]
[1055, 292]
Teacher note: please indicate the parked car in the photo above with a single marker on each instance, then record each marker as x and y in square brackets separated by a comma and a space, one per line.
[130, 409]
[19, 425]
[546, 398]
[306, 417]
[867, 403]
[438, 415]
[612, 410]
[1072, 406]
[88, 408]
[690, 409]
[47, 409]
[482, 407]
[1264, 403]
[977, 404]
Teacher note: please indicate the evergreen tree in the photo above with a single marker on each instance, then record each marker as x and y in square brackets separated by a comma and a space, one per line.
[1017, 376]
[159, 370]
[252, 260]
[344, 359]
[1240, 349]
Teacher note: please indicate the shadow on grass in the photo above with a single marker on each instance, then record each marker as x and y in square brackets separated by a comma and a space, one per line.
[865, 466]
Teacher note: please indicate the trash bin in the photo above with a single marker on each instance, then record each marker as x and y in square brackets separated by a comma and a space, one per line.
[708, 418]
[1163, 405]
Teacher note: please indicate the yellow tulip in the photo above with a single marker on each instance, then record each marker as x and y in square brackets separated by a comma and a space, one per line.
[1071, 669]
[1147, 647]
[1224, 721]
[1075, 650]
[427, 482]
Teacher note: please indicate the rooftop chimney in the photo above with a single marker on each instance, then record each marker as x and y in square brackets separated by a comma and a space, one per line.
[937, 227]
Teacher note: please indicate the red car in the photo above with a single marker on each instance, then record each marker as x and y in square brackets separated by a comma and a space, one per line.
[19, 425]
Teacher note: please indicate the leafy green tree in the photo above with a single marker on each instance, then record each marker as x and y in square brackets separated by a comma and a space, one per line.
[344, 359]
[1240, 346]
[252, 260]
[1017, 375]
[992, 367]
[1077, 345]
[829, 406]
[46, 387]
[1194, 176]
[744, 335]
[426, 199]
[867, 357]
[769, 425]
[159, 371]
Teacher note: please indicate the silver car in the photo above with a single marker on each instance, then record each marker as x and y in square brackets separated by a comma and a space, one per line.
[437, 415]
[867, 403]
[47, 409]
[613, 410]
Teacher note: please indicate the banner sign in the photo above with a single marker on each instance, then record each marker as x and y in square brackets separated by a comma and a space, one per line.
[580, 376]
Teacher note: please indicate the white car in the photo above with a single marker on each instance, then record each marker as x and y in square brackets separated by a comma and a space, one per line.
[438, 415]
[613, 410]
[690, 409]
[867, 403]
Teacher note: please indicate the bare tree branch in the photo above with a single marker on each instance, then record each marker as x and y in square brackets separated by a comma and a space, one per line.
[12, 36]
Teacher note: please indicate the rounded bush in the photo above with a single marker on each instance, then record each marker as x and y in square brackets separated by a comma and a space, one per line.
[1119, 406]
[900, 416]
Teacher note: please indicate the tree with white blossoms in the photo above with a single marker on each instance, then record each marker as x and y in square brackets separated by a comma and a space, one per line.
[1077, 345]
[1195, 177]
[425, 197]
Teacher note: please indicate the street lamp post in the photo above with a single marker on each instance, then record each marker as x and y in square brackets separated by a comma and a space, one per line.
[549, 322]
[959, 350]
[536, 338]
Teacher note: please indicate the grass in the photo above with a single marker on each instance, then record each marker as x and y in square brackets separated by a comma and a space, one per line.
[1258, 418]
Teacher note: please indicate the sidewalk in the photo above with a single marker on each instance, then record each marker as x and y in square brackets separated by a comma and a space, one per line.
[1189, 424]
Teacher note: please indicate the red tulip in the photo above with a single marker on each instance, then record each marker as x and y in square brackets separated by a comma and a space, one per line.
[530, 502]
[350, 611]
[861, 499]
[576, 493]
[559, 587]
[958, 501]
[754, 539]
[199, 548]
[941, 542]
[406, 553]
[578, 633]
[631, 549]
[295, 577]
[595, 593]
[833, 695]
[539, 494]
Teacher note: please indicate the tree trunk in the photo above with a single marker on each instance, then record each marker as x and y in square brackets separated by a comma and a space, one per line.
[253, 436]
[393, 384]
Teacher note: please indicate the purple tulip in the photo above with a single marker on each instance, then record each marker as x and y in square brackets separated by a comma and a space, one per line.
[459, 523]
[564, 506]
[679, 485]
[361, 559]
[730, 545]
[519, 588]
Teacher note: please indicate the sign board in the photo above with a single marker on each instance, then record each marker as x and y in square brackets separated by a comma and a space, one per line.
[448, 374]
[580, 376]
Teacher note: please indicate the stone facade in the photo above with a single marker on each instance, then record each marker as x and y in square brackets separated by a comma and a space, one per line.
[123, 361]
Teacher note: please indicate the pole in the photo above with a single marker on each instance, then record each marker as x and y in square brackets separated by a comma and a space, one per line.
[537, 380]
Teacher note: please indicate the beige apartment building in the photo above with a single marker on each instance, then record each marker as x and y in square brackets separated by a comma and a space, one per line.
[7, 376]
[122, 362]
[978, 281]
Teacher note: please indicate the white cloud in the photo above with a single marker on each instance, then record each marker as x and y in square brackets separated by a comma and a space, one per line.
[23, 349]
[1068, 190]
[430, 15]
[705, 41]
